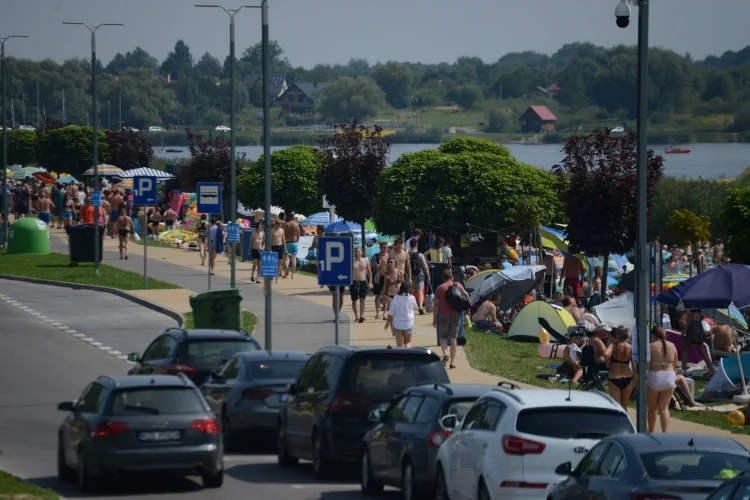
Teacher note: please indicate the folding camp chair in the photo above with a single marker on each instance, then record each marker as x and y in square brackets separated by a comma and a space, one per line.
[559, 337]
[593, 377]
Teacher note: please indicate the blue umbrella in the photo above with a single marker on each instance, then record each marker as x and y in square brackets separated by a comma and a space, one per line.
[343, 226]
[320, 219]
[718, 288]
[67, 179]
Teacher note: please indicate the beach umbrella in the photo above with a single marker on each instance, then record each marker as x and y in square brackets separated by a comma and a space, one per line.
[125, 184]
[729, 316]
[67, 179]
[320, 219]
[44, 177]
[475, 281]
[143, 172]
[24, 172]
[104, 170]
[513, 285]
[715, 289]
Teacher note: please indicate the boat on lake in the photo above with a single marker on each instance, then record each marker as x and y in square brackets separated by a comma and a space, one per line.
[671, 150]
[170, 150]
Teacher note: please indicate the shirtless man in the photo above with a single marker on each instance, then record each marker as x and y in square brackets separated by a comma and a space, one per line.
[572, 270]
[117, 206]
[278, 243]
[291, 235]
[155, 222]
[725, 338]
[169, 217]
[572, 308]
[401, 257]
[45, 208]
[597, 342]
[486, 316]
[257, 245]
[123, 225]
[360, 284]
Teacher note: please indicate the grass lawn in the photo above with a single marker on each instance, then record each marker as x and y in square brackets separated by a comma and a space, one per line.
[55, 266]
[13, 488]
[248, 321]
[520, 361]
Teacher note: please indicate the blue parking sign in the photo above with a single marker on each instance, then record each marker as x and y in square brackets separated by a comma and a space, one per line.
[335, 260]
[233, 232]
[96, 199]
[269, 264]
[144, 190]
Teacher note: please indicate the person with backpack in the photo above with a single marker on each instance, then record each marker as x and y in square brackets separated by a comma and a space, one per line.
[377, 269]
[451, 303]
[420, 273]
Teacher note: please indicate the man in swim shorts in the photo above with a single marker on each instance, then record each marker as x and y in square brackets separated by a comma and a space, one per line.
[278, 244]
[291, 236]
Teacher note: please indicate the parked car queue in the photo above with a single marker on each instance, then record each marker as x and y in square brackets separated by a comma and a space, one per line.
[393, 412]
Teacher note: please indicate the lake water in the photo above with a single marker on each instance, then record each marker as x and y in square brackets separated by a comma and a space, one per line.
[707, 160]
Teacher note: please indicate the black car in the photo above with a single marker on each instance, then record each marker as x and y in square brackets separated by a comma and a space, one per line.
[737, 488]
[325, 416]
[401, 450]
[248, 392]
[123, 426]
[194, 353]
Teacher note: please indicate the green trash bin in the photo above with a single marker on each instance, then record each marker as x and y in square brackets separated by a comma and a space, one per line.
[217, 309]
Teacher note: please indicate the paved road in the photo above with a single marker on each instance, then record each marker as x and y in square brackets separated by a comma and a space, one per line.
[42, 365]
[298, 323]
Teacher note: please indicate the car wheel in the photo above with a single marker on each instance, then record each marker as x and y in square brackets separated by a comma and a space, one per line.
[409, 485]
[370, 486]
[227, 436]
[441, 488]
[321, 465]
[483, 494]
[213, 480]
[282, 452]
[85, 481]
[64, 472]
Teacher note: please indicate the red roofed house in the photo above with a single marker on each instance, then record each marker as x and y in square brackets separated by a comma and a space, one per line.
[538, 119]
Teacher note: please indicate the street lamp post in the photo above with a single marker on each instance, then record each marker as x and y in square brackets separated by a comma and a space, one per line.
[95, 118]
[6, 199]
[232, 165]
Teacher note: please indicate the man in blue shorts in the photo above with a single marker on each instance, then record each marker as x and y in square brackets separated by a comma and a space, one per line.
[291, 235]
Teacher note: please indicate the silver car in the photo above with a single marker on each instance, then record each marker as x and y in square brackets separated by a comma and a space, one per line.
[139, 425]
[650, 466]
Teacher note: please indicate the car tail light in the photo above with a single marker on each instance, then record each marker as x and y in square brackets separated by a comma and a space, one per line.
[347, 402]
[523, 484]
[177, 368]
[438, 437]
[205, 425]
[258, 393]
[514, 445]
[110, 429]
[653, 496]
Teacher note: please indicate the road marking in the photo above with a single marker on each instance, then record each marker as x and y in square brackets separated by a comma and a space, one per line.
[66, 329]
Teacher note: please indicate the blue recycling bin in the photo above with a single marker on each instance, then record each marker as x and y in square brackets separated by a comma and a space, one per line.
[246, 238]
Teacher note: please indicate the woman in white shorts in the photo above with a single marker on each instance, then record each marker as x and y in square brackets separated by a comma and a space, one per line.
[400, 316]
[661, 378]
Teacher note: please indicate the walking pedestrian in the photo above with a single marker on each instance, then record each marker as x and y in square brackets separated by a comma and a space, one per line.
[401, 315]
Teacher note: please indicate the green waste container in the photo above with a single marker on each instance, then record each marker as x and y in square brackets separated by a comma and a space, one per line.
[28, 236]
[217, 309]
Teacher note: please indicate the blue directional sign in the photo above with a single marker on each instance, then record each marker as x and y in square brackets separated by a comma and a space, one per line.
[144, 190]
[209, 197]
[269, 264]
[233, 232]
[96, 199]
[335, 261]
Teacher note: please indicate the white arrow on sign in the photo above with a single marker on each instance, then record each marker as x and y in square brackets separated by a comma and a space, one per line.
[341, 277]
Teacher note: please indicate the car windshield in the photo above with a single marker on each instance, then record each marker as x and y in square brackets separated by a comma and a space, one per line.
[458, 407]
[157, 401]
[694, 465]
[274, 369]
[573, 423]
[210, 354]
[381, 376]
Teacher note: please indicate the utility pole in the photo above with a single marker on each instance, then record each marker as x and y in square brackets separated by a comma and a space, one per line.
[63, 103]
[37, 105]
[119, 98]
[12, 112]
[267, 158]
[23, 109]
[109, 115]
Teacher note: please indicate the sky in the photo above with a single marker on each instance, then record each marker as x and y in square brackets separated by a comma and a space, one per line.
[334, 31]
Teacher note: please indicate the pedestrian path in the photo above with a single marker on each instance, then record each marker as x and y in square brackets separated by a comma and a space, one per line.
[302, 311]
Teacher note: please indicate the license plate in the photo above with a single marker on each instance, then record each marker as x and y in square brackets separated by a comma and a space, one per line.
[159, 436]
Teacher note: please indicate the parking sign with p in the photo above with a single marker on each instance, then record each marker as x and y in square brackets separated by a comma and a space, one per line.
[144, 190]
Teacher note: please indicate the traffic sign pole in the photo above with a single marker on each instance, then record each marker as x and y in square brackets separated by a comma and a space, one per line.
[210, 249]
[336, 268]
[145, 249]
[144, 194]
[337, 293]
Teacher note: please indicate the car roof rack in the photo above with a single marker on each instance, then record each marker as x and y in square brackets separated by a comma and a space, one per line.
[176, 329]
[509, 393]
[607, 397]
[437, 386]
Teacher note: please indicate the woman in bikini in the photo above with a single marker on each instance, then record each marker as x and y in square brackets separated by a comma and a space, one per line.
[661, 378]
[124, 226]
[68, 210]
[619, 353]
[202, 229]
[393, 280]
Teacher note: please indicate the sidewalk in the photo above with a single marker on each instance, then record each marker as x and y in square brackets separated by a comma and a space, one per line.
[302, 311]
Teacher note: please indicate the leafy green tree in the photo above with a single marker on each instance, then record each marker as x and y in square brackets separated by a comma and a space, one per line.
[179, 62]
[735, 214]
[129, 150]
[354, 157]
[295, 176]
[742, 118]
[69, 149]
[690, 228]
[430, 187]
[214, 118]
[396, 81]
[21, 146]
[468, 96]
[252, 58]
[210, 161]
[208, 65]
[424, 98]
[499, 121]
[146, 101]
[135, 59]
[349, 98]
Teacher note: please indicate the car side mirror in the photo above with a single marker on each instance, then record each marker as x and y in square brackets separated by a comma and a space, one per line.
[374, 416]
[134, 356]
[565, 469]
[449, 422]
[292, 389]
[68, 406]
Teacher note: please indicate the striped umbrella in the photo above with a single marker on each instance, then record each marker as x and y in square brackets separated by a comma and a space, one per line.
[105, 170]
[125, 184]
[144, 172]
[24, 172]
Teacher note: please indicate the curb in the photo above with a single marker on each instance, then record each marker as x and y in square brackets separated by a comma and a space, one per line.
[96, 288]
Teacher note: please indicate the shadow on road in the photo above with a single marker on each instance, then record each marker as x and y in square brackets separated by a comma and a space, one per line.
[301, 474]
[122, 487]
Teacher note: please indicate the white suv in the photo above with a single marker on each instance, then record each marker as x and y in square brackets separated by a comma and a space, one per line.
[223, 128]
[511, 441]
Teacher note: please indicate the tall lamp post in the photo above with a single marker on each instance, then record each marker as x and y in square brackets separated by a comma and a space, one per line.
[642, 288]
[95, 119]
[6, 199]
[232, 165]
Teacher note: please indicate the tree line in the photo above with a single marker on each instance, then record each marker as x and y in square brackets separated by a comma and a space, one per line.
[194, 90]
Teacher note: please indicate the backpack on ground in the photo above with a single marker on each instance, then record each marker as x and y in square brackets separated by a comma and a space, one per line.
[458, 298]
